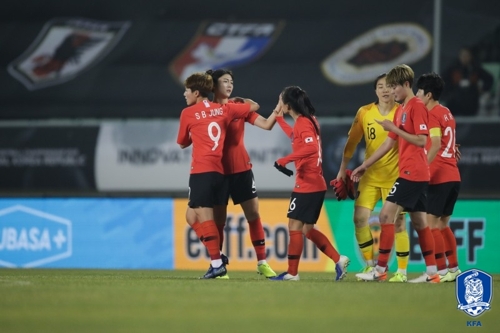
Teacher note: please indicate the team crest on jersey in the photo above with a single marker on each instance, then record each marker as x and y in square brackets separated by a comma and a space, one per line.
[377, 51]
[403, 118]
[63, 49]
[225, 45]
[474, 289]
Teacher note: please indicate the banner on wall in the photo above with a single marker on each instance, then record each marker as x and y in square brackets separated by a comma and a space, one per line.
[470, 220]
[48, 158]
[145, 156]
[86, 233]
[190, 253]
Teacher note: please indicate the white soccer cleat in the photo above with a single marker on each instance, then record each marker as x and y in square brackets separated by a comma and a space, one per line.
[426, 278]
[372, 275]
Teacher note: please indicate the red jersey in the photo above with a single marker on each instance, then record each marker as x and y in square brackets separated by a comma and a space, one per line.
[205, 125]
[235, 158]
[412, 118]
[443, 167]
[306, 153]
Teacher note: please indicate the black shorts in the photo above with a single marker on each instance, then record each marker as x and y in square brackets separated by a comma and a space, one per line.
[206, 189]
[240, 186]
[306, 207]
[441, 198]
[410, 195]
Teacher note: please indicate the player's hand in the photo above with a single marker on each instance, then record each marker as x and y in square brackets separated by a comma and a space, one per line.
[358, 173]
[283, 169]
[278, 109]
[386, 124]
[341, 175]
[349, 185]
[238, 99]
[458, 154]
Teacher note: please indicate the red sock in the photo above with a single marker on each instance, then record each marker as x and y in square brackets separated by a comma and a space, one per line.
[427, 246]
[211, 239]
[322, 242]
[198, 230]
[220, 230]
[258, 238]
[386, 243]
[295, 251]
[439, 249]
[450, 247]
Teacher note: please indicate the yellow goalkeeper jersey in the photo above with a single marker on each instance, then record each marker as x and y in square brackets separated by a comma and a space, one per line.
[384, 172]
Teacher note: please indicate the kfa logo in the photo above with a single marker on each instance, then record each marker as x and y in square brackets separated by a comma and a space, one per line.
[224, 45]
[65, 48]
[474, 290]
[30, 238]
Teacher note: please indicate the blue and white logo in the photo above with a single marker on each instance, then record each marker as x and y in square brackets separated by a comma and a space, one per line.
[474, 290]
[30, 238]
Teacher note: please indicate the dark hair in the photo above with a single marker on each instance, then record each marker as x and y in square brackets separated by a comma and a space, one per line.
[298, 100]
[431, 83]
[217, 74]
[381, 76]
[201, 82]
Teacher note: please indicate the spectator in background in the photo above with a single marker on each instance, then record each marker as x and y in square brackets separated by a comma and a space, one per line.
[465, 81]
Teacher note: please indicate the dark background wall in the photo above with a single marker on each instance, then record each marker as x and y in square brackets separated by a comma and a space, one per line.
[133, 80]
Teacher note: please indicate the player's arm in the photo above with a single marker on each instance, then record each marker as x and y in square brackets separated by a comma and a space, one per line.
[384, 148]
[416, 139]
[284, 125]
[309, 146]
[435, 134]
[254, 106]
[265, 123]
[183, 136]
[353, 138]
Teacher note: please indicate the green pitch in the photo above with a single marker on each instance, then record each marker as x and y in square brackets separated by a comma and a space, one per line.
[177, 301]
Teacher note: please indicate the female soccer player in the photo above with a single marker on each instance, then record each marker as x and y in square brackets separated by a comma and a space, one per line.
[204, 124]
[409, 129]
[309, 192]
[239, 182]
[377, 182]
[444, 184]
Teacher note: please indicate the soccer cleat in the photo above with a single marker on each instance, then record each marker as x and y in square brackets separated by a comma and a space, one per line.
[367, 269]
[426, 278]
[341, 268]
[285, 277]
[266, 270]
[398, 277]
[374, 275]
[223, 277]
[225, 259]
[450, 276]
[213, 273]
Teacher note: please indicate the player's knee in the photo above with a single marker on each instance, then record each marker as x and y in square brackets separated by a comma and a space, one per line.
[360, 221]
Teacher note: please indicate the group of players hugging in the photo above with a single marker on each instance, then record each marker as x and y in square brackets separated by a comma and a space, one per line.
[410, 164]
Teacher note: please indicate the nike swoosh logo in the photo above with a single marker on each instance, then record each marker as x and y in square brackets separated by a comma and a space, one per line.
[427, 279]
[370, 124]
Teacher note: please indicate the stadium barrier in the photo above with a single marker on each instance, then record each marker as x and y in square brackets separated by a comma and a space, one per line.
[151, 233]
[142, 156]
